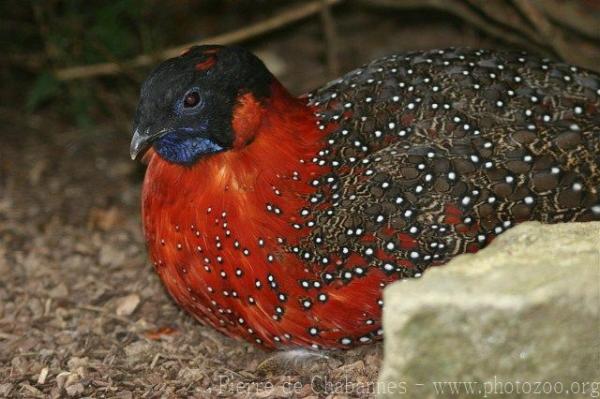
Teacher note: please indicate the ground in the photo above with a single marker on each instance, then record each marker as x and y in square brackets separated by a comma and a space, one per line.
[82, 312]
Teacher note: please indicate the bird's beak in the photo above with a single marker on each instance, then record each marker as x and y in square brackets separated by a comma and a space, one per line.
[137, 143]
[141, 141]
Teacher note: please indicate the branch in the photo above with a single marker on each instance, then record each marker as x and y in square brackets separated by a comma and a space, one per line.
[543, 26]
[565, 29]
[268, 25]
[461, 10]
[330, 39]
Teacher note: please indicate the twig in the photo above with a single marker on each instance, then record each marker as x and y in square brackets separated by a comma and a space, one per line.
[9, 336]
[544, 27]
[268, 25]
[578, 16]
[462, 11]
[330, 39]
[505, 14]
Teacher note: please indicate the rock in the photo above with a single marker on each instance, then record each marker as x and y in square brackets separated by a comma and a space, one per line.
[520, 315]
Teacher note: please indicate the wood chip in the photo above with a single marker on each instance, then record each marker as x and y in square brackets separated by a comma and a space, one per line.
[43, 375]
[127, 305]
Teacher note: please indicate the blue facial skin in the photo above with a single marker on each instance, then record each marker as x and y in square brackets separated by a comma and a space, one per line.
[184, 146]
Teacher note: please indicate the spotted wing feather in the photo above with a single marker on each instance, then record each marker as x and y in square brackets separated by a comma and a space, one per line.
[436, 153]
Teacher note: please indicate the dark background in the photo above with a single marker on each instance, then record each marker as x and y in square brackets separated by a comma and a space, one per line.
[72, 260]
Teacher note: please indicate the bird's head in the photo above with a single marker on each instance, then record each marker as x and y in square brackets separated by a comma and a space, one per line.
[187, 104]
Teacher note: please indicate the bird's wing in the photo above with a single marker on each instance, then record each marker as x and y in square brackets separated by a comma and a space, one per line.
[433, 154]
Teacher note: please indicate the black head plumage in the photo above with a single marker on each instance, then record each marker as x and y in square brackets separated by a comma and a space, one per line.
[186, 103]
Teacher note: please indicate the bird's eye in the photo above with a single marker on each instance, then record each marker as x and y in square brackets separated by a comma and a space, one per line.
[191, 99]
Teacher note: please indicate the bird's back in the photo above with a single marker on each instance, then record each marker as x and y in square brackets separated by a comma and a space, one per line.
[435, 153]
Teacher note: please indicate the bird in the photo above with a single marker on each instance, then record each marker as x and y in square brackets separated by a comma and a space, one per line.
[279, 219]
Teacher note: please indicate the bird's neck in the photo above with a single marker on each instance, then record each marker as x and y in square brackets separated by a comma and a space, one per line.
[273, 139]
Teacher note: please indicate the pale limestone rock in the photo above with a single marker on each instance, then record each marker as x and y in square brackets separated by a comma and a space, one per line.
[521, 311]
